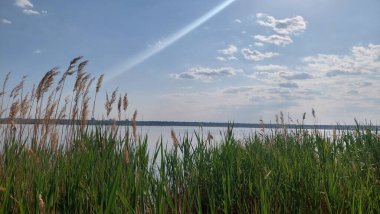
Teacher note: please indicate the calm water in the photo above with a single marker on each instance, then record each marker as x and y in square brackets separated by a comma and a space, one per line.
[154, 133]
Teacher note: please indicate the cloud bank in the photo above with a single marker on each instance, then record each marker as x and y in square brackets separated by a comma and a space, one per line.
[255, 55]
[206, 74]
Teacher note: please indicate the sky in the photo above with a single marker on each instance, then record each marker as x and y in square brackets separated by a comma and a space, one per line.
[208, 60]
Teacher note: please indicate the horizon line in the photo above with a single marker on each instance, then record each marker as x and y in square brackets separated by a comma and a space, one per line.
[126, 122]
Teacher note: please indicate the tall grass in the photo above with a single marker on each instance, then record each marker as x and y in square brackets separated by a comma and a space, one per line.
[78, 169]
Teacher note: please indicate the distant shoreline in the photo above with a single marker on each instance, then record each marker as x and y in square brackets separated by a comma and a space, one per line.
[190, 124]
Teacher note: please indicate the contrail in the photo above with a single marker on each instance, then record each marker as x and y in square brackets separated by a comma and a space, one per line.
[167, 42]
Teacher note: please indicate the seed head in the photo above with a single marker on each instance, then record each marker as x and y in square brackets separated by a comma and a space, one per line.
[125, 102]
[41, 203]
[99, 83]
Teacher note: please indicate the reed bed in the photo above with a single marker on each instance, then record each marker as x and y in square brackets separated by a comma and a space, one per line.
[77, 169]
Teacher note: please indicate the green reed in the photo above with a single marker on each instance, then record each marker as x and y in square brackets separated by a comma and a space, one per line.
[298, 171]
[108, 169]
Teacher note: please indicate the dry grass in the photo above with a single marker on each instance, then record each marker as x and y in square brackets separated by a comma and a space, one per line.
[30, 105]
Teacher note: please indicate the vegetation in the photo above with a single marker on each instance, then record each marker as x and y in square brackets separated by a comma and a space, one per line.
[76, 168]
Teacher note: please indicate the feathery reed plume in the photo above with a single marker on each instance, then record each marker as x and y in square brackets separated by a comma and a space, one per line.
[84, 112]
[134, 125]
[78, 80]
[110, 102]
[51, 106]
[69, 71]
[79, 89]
[63, 109]
[83, 83]
[24, 106]
[88, 86]
[313, 112]
[54, 140]
[119, 107]
[73, 62]
[113, 96]
[262, 128]
[125, 105]
[16, 90]
[42, 88]
[2, 93]
[98, 85]
[106, 105]
[174, 138]
[46, 82]
[31, 100]
[33, 94]
[304, 116]
[85, 101]
[74, 110]
[282, 120]
[125, 102]
[82, 65]
[6, 80]
[74, 115]
[41, 204]
[15, 107]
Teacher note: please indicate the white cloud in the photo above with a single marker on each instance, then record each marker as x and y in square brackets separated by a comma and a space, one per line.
[220, 58]
[237, 21]
[294, 90]
[30, 12]
[27, 5]
[278, 74]
[259, 44]
[278, 40]
[362, 60]
[37, 51]
[266, 93]
[235, 103]
[206, 74]
[6, 21]
[24, 3]
[257, 55]
[292, 25]
[229, 52]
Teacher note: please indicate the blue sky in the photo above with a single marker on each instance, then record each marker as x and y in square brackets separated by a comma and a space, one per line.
[214, 60]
